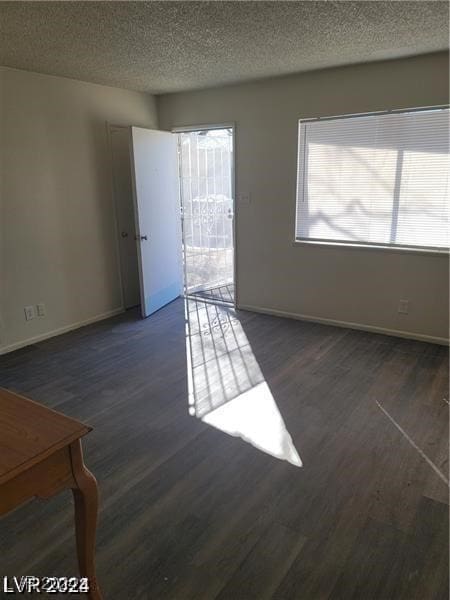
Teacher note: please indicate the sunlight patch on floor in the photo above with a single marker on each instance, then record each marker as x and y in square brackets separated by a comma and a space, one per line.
[227, 388]
[254, 417]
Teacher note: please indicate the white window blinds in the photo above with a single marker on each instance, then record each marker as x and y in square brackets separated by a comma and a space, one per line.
[380, 179]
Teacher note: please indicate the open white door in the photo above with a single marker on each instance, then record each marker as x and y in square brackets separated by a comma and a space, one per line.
[158, 227]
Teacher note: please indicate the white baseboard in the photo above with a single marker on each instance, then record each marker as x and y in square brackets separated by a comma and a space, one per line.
[60, 330]
[259, 309]
[347, 324]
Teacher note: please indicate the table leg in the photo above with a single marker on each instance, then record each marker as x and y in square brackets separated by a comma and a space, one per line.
[86, 507]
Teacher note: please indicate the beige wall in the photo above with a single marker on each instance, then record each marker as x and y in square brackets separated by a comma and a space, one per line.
[57, 234]
[350, 285]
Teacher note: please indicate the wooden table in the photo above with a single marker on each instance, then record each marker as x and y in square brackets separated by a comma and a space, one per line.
[40, 455]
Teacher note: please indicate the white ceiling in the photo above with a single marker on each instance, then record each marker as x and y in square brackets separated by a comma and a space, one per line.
[171, 46]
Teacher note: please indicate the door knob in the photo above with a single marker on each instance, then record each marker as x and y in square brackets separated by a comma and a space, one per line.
[124, 234]
[143, 237]
[140, 237]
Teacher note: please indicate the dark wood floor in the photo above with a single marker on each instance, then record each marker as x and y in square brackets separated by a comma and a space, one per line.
[190, 512]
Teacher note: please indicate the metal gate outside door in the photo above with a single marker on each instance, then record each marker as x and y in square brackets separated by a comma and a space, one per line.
[207, 206]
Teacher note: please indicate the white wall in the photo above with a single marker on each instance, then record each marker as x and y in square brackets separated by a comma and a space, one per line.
[350, 285]
[57, 233]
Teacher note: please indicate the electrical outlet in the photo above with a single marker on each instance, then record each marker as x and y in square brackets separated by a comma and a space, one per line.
[29, 312]
[403, 307]
[40, 309]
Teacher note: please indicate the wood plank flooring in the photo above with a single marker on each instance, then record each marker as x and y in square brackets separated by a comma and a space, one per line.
[190, 512]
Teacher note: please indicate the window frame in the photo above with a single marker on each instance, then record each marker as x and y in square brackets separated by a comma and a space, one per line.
[348, 244]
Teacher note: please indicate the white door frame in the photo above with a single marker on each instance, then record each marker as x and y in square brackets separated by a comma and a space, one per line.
[109, 128]
[193, 128]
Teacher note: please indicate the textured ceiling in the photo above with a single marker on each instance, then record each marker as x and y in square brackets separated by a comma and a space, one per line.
[172, 46]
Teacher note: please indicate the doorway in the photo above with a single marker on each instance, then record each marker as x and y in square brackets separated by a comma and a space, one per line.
[158, 251]
[207, 209]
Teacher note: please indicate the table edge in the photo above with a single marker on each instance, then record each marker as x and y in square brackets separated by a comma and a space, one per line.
[83, 429]
[28, 464]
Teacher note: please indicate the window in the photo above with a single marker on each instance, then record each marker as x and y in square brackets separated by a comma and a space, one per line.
[379, 179]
